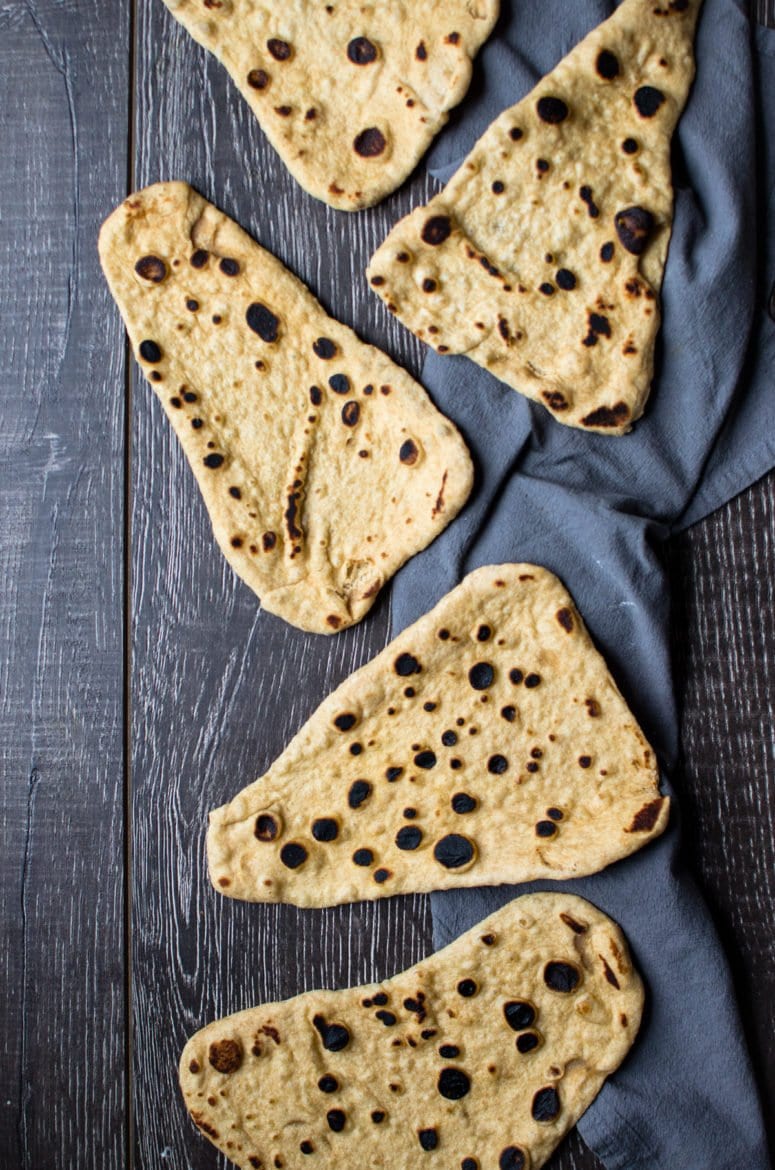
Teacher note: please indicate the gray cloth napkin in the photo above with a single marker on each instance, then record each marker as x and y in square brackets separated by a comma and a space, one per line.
[596, 510]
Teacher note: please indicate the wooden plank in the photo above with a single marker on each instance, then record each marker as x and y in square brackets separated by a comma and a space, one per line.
[64, 99]
[723, 574]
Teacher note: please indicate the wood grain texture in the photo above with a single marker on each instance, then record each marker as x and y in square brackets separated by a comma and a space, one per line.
[64, 105]
[723, 586]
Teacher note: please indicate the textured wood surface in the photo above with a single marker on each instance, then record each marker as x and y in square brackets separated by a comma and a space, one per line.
[215, 687]
[63, 103]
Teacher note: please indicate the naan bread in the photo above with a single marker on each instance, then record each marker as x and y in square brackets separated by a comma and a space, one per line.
[542, 259]
[483, 1055]
[349, 94]
[486, 744]
[322, 464]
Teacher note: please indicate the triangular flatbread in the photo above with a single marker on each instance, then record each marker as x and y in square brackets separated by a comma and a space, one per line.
[349, 94]
[542, 259]
[483, 1055]
[487, 743]
[323, 465]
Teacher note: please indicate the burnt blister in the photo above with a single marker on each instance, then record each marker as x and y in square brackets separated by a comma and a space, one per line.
[453, 1083]
[151, 268]
[199, 258]
[561, 976]
[428, 1138]
[519, 1014]
[334, 1037]
[258, 79]
[634, 226]
[293, 855]
[497, 765]
[462, 803]
[607, 416]
[362, 51]
[512, 1158]
[527, 1042]
[648, 100]
[565, 279]
[229, 266]
[467, 988]
[545, 829]
[552, 110]
[324, 348]
[325, 829]
[150, 352]
[280, 50]
[449, 738]
[328, 1084]
[546, 1104]
[436, 230]
[351, 413]
[339, 383]
[406, 664]
[336, 1119]
[370, 143]
[453, 851]
[585, 194]
[408, 452]
[607, 64]
[266, 827]
[363, 857]
[360, 791]
[345, 721]
[409, 837]
[481, 676]
[426, 760]
[225, 1056]
[263, 321]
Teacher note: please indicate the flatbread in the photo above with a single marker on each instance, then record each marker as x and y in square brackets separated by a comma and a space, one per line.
[483, 1055]
[488, 743]
[349, 95]
[323, 465]
[542, 259]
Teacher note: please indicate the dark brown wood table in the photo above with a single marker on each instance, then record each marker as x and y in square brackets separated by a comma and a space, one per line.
[140, 682]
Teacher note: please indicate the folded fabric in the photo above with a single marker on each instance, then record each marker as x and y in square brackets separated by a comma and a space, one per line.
[597, 511]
